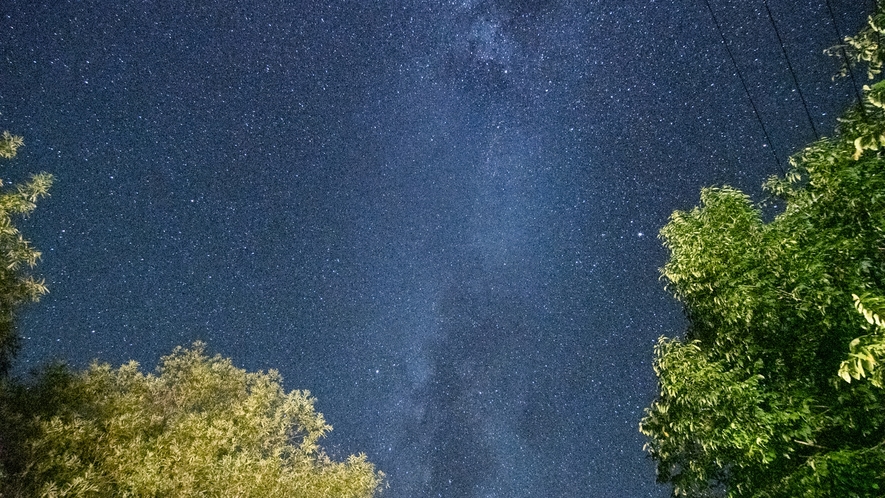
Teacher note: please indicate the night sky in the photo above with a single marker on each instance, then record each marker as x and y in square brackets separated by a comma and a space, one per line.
[439, 217]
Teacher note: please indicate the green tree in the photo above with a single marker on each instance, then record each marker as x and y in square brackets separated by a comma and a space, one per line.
[864, 48]
[17, 256]
[775, 388]
[198, 427]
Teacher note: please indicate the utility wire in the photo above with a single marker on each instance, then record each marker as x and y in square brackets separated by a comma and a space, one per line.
[746, 89]
[845, 57]
[790, 67]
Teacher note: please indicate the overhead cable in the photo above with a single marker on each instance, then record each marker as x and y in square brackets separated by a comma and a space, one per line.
[845, 56]
[792, 72]
[746, 89]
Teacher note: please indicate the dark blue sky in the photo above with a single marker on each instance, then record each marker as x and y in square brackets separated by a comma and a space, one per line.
[437, 216]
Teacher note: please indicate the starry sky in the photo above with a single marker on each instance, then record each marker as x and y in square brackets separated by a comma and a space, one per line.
[440, 217]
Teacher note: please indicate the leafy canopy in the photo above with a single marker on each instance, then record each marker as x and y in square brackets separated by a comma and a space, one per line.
[776, 388]
[197, 427]
[17, 255]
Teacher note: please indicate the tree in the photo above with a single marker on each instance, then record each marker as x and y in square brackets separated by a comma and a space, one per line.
[775, 390]
[16, 254]
[198, 427]
[863, 48]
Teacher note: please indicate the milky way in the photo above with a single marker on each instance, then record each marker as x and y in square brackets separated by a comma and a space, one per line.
[439, 217]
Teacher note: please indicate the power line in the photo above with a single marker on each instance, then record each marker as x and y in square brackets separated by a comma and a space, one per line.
[746, 89]
[790, 67]
[845, 55]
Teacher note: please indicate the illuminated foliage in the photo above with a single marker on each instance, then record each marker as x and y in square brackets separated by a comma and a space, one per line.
[776, 388]
[17, 256]
[9, 145]
[866, 47]
[867, 352]
[197, 427]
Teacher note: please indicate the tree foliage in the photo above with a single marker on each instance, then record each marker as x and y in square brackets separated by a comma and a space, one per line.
[867, 351]
[197, 427]
[17, 256]
[864, 48]
[776, 388]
